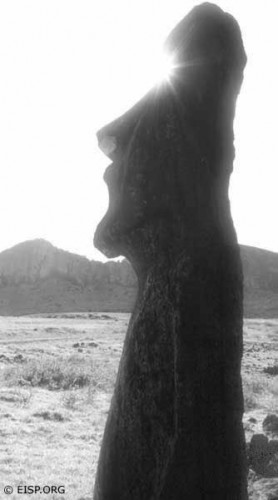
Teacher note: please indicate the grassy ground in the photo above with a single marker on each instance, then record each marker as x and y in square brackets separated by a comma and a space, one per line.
[260, 392]
[56, 380]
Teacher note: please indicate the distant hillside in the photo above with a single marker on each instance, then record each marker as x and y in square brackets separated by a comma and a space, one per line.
[36, 277]
[260, 269]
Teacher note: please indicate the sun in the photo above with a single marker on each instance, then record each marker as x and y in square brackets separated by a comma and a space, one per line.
[163, 67]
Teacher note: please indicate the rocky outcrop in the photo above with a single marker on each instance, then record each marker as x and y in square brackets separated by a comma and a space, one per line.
[263, 455]
[174, 429]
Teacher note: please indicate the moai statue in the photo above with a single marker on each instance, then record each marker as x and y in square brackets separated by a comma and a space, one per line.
[174, 430]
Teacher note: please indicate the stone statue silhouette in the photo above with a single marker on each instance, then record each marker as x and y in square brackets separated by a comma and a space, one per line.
[174, 428]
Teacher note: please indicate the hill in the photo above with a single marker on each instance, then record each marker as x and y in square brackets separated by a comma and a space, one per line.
[260, 269]
[36, 277]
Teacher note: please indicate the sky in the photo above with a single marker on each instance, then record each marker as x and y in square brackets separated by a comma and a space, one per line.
[68, 67]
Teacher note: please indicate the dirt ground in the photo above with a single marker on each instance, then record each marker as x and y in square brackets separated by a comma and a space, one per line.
[51, 435]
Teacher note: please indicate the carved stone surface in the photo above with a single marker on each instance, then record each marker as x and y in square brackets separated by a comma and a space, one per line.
[174, 428]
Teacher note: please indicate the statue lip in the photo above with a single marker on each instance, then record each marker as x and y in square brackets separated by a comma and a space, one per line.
[109, 172]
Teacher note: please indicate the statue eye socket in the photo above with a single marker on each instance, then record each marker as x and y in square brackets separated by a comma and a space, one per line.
[108, 145]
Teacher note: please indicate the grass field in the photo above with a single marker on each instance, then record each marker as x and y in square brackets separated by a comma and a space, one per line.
[56, 379]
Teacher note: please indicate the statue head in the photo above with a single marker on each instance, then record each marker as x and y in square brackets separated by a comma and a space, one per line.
[172, 153]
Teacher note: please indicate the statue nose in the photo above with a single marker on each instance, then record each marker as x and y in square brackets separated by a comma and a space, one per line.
[114, 137]
[110, 137]
[108, 145]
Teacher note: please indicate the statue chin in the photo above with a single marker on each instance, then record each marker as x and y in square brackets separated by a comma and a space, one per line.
[115, 230]
[105, 239]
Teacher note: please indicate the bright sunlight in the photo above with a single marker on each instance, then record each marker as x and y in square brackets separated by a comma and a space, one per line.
[163, 67]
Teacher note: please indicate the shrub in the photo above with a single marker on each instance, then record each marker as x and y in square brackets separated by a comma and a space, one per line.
[271, 370]
[52, 374]
[47, 415]
[70, 400]
[61, 374]
[252, 387]
[250, 401]
[19, 396]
